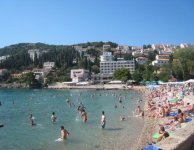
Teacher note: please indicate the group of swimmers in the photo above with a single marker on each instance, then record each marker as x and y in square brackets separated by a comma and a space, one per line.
[63, 132]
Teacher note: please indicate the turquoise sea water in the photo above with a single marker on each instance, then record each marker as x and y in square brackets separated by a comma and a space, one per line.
[17, 134]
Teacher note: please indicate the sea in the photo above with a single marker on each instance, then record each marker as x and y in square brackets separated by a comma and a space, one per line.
[18, 134]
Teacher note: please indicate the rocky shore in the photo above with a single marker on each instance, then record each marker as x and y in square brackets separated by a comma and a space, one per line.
[13, 85]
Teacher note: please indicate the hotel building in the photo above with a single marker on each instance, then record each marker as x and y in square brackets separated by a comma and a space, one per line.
[108, 66]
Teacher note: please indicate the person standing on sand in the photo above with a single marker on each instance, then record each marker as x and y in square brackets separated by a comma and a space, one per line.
[103, 120]
[64, 133]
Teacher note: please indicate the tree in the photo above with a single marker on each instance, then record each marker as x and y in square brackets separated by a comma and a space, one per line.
[30, 80]
[85, 63]
[137, 76]
[95, 69]
[122, 73]
[36, 62]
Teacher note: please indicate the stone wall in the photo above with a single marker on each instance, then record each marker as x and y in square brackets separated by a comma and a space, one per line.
[182, 139]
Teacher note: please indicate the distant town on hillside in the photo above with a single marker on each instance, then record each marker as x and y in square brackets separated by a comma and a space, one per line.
[38, 64]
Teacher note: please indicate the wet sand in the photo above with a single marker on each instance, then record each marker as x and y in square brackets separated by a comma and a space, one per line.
[150, 125]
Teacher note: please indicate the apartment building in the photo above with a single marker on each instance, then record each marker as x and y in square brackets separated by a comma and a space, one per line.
[108, 66]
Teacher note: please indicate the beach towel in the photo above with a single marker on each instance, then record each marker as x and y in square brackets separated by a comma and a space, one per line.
[172, 114]
[188, 119]
[156, 135]
[151, 147]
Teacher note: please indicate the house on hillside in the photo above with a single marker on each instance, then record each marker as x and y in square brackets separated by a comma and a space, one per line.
[48, 65]
[78, 75]
[141, 60]
[33, 53]
[161, 60]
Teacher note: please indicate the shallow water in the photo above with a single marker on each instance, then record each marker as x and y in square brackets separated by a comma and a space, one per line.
[17, 134]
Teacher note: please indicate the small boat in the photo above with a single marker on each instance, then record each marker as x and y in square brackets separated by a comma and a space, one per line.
[1, 125]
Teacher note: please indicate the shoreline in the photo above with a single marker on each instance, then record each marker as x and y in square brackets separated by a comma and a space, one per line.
[149, 125]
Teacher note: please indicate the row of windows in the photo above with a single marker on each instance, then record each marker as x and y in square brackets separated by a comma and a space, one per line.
[111, 70]
[116, 63]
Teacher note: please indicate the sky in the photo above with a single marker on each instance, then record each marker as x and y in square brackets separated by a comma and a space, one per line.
[66, 22]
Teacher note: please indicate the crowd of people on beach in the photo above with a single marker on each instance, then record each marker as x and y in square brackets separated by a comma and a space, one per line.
[167, 104]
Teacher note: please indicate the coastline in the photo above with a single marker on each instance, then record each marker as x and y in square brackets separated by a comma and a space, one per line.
[149, 125]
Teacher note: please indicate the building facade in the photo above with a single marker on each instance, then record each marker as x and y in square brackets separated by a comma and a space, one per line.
[2, 58]
[141, 60]
[161, 60]
[108, 66]
[78, 75]
[48, 65]
[34, 52]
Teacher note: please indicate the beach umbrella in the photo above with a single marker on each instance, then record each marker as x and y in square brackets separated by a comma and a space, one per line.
[142, 82]
[190, 80]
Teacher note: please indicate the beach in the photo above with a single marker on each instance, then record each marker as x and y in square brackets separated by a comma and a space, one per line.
[178, 97]
[149, 125]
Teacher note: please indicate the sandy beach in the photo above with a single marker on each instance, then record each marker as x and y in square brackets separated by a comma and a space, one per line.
[180, 97]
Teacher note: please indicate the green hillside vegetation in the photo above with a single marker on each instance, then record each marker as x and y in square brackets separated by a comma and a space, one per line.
[65, 58]
[181, 64]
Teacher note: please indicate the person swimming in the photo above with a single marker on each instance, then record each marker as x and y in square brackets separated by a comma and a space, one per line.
[64, 133]
[84, 116]
[32, 120]
[115, 106]
[53, 117]
[103, 120]
[122, 118]
[80, 108]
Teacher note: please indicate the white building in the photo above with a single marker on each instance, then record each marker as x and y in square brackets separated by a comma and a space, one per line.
[48, 65]
[141, 60]
[106, 56]
[137, 53]
[78, 75]
[2, 58]
[161, 60]
[108, 66]
[183, 45]
[39, 73]
[34, 52]
[123, 48]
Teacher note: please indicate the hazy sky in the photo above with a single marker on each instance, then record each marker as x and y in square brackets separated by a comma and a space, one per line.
[131, 22]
